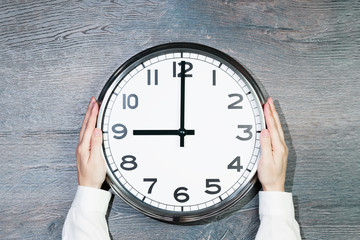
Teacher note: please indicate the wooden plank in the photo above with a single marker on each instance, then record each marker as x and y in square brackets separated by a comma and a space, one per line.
[55, 55]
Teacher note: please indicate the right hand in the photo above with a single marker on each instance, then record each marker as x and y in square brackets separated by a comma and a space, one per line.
[274, 152]
[91, 166]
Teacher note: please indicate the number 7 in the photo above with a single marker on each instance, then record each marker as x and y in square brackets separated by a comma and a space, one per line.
[153, 180]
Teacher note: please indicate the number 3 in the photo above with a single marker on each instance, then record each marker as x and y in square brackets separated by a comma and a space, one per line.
[247, 130]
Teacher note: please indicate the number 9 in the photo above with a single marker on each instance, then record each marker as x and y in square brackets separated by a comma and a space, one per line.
[122, 132]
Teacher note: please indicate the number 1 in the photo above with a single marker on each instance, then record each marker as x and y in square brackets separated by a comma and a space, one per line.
[214, 77]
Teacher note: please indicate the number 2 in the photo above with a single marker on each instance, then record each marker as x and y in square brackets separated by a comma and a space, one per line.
[235, 105]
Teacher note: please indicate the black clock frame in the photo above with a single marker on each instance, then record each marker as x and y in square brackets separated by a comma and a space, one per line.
[165, 215]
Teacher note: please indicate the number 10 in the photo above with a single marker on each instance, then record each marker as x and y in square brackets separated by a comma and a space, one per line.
[131, 101]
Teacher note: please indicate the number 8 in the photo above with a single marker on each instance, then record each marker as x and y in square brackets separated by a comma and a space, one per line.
[128, 162]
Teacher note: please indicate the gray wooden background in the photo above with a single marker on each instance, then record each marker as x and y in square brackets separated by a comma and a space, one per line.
[55, 55]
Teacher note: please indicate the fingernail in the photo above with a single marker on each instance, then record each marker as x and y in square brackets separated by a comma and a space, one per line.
[268, 106]
[265, 133]
[97, 132]
[271, 100]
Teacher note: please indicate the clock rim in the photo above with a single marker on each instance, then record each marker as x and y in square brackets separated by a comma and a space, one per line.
[147, 209]
[182, 45]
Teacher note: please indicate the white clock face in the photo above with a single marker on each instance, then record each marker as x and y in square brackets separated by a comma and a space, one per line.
[181, 133]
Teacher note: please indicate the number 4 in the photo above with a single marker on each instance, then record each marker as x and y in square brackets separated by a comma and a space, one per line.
[235, 164]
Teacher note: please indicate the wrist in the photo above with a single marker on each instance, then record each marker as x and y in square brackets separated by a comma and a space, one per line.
[91, 199]
[89, 184]
[93, 181]
[273, 188]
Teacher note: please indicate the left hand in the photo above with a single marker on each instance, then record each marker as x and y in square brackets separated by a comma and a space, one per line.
[91, 166]
[274, 152]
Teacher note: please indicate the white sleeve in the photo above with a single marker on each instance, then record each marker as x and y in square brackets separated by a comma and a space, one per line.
[277, 218]
[86, 217]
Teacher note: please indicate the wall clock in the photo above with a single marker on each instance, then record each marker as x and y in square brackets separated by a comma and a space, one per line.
[181, 129]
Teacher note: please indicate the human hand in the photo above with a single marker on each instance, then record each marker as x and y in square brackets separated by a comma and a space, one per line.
[91, 166]
[274, 152]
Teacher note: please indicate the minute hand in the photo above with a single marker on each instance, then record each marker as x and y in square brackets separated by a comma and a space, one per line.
[183, 75]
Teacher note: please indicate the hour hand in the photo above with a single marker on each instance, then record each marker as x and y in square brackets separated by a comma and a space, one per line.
[155, 132]
[164, 132]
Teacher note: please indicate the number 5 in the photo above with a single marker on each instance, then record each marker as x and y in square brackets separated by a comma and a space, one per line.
[210, 183]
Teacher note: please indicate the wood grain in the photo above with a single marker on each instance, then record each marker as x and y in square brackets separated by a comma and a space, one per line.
[55, 55]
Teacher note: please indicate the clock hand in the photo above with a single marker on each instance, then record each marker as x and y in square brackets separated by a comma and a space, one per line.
[163, 132]
[182, 104]
[182, 132]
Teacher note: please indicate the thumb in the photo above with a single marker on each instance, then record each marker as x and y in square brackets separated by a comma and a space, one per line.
[265, 142]
[96, 141]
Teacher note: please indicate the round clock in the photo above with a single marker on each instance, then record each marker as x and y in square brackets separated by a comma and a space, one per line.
[181, 129]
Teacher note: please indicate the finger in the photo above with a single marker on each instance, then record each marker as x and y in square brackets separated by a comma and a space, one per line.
[272, 126]
[86, 119]
[96, 141]
[276, 117]
[90, 125]
[265, 143]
